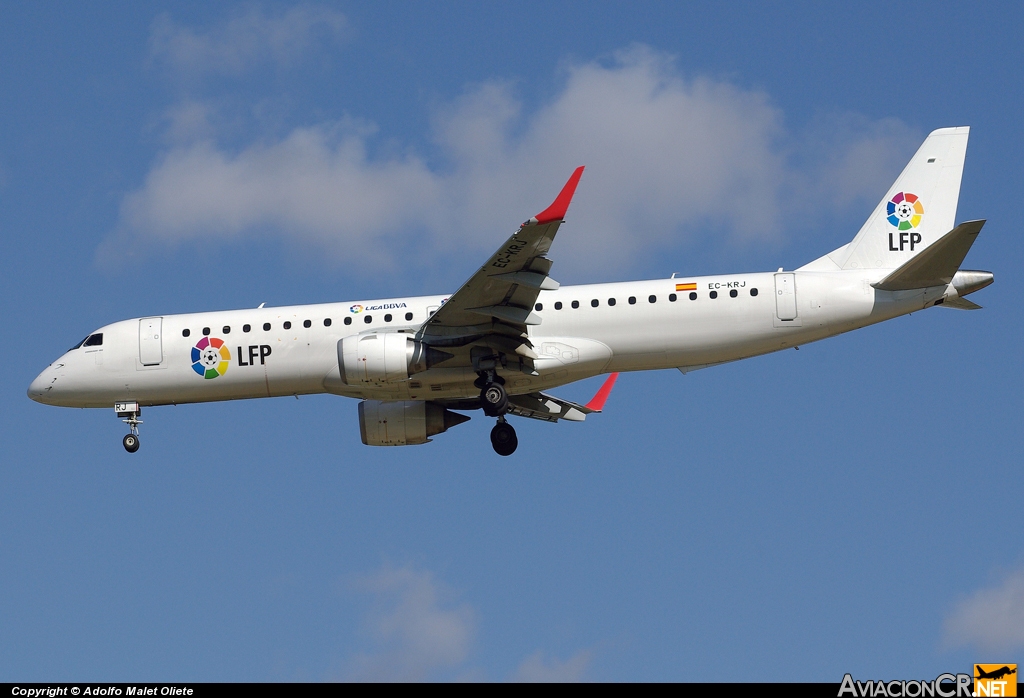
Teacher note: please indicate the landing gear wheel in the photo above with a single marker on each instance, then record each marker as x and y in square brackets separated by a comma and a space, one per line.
[131, 443]
[494, 399]
[503, 439]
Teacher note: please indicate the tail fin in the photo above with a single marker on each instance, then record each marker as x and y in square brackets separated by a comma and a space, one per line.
[917, 210]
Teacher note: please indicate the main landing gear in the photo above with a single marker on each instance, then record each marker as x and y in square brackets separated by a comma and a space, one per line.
[494, 401]
[503, 438]
[129, 413]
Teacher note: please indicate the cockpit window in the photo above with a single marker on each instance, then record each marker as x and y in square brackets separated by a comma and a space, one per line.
[78, 345]
[94, 340]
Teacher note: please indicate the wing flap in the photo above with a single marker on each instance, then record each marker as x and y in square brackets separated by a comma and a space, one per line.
[509, 313]
[547, 408]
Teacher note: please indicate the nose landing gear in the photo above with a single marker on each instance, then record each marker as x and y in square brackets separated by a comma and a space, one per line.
[131, 443]
[129, 412]
[503, 438]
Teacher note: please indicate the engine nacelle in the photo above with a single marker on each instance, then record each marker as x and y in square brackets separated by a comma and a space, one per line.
[374, 358]
[404, 423]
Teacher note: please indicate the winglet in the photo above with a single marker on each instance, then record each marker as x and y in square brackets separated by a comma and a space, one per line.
[556, 211]
[597, 402]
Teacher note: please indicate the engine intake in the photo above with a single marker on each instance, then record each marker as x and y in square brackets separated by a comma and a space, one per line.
[374, 358]
[404, 423]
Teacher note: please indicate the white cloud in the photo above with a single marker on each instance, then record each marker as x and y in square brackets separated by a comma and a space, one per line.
[415, 627]
[246, 40]
[667, 157]
[991, 619]
[419, 630]
[537, 669]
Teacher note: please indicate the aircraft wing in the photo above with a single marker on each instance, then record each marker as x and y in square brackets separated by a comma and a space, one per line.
[549, 408]
[499, 297]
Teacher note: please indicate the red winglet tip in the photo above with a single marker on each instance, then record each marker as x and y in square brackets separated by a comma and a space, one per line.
[556, 211]
[597, 403]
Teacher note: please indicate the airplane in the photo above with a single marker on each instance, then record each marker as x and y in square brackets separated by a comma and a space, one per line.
[996, 674]
[511, 332]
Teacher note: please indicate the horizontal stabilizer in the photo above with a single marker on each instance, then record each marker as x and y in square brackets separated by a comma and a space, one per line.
[960, 304]
[935, 265]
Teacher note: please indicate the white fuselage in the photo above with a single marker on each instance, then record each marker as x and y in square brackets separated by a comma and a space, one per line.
[573, 343]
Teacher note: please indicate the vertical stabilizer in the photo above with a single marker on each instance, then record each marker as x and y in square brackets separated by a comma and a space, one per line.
[917, 210]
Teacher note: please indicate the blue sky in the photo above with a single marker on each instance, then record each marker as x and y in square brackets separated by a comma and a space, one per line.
[844, 508]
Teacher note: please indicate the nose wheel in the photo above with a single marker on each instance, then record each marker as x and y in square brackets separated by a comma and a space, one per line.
[129, 413]
[503, 438]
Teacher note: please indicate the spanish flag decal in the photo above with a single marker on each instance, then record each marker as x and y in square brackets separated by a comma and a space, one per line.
[686, 287]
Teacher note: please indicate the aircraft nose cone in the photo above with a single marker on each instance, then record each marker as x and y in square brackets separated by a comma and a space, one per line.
[38, 389]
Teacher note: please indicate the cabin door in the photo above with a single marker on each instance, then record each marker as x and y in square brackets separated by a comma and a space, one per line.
[151, 342]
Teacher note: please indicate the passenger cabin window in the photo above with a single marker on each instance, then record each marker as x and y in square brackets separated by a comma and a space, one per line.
[246, 328]
[539, 307]
[307, 324]
[287, 325]
[652, 299]
[594, 303]
[611, 301]
[227, 329]
[408, 316]
[387, 317]
[733, 293]
[266, 327]
[206, 331]
[186, 332]
[632, 300]
[348, 321]
[575, 304]
[327, 322]
[94, 340]
[753, 291]
[672, 297]
[558, 305]
[713, 294]
[693, 295]
[368, 319]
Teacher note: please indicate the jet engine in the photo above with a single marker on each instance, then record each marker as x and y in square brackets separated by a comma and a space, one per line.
[404, 423]
[373, 358]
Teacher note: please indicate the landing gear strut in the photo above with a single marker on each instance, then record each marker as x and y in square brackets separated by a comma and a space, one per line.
[129, 412]
[503, 438]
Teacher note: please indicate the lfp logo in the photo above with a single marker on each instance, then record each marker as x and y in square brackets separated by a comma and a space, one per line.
[905, 211]
[210, 358]
[356, 309]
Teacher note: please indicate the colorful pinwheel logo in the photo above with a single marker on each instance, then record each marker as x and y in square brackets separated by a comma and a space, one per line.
[210, 358]
[905, 211]
[356, 309]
